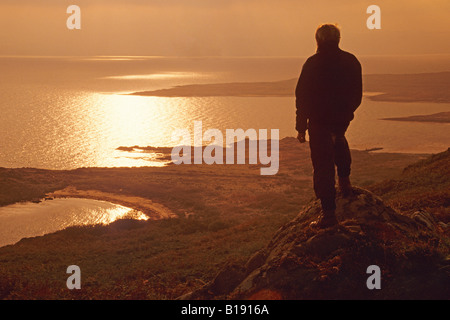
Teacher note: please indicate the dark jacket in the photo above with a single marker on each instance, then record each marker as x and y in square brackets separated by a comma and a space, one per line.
[329, 88]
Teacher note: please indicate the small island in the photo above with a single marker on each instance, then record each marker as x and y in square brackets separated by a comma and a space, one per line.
[440, 117]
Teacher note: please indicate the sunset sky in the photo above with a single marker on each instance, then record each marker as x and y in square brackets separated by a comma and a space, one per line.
[220, 27]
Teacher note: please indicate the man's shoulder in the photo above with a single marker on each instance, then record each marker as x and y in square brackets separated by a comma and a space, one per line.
[318, 56]
[311, 60]
[349, 56]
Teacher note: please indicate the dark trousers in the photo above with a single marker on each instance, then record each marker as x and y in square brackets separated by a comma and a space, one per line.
[329, 147]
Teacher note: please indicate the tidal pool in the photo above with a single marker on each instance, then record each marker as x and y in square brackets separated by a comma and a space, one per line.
[28, 219]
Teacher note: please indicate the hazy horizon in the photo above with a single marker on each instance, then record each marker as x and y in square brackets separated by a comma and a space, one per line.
[231, 28]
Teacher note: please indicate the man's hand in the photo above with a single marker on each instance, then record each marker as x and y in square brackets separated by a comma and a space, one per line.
[301, 137]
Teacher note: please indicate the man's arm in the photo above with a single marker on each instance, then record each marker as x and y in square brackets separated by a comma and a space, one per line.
[301, 96]
[357, 85]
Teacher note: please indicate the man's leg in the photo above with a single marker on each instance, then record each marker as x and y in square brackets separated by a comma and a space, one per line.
[322, 155]
[342, 158]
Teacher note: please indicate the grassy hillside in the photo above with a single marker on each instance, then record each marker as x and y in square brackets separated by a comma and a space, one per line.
[225, 214]
[423, 185]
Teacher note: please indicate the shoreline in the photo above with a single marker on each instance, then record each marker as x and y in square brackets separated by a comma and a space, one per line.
[164, 155]
[420, 87]
[153, 210]
[440, 117]
[225, 213]
[144, 188]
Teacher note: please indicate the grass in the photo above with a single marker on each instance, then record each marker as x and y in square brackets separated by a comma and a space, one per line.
[423, 185]
[225, 214]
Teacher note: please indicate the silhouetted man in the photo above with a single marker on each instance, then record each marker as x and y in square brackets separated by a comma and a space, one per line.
[328, 92]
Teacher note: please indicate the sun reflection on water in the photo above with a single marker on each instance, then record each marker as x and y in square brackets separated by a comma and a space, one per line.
[114, 120]
[107, 216]
[159, 76]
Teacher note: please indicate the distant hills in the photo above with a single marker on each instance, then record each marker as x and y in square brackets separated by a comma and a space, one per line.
[421, 87]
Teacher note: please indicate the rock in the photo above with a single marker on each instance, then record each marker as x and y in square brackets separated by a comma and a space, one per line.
[323, 244]
[303, 262]
[426, 219]
[227, 279]
[255, 261]
[444, 225]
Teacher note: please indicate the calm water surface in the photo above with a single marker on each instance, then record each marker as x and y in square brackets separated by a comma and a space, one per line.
[70, 112]
[67, 113]
[28, 219]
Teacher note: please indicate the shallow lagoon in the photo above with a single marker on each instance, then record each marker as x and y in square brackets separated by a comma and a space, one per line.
[28, 219]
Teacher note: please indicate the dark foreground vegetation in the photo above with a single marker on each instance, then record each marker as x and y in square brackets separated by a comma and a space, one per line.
[225, 215]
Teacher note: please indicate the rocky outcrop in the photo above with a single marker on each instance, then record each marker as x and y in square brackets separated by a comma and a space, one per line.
[303, 262]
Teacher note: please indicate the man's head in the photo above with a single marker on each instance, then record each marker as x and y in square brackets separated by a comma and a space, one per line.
[327, 34]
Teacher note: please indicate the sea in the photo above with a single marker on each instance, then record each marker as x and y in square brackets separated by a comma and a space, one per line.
[70, 112]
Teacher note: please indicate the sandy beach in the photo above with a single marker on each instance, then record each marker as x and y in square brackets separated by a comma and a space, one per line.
[153, 210]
